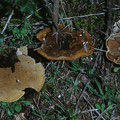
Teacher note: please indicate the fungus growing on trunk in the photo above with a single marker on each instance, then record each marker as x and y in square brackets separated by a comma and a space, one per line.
[113, 48]
[70, 45]
[27, 74]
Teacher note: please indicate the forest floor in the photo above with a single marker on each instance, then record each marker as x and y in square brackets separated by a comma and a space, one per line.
[87, 88]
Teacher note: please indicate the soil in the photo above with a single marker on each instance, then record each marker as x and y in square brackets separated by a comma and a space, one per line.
[8, 58]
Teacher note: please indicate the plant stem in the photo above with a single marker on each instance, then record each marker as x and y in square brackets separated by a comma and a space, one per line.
[108, 16]
[55, 15]
[10, 16]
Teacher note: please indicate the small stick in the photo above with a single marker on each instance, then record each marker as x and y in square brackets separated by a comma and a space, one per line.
[96, 14]
[99, 117]
[91, 114]
[87, 111]
[93, 108]
[81, 95]
[68, 18]
[97, 59]
[9, 18]
[100, 50]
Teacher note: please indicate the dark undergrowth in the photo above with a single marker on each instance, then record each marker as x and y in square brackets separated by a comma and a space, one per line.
[84, 89]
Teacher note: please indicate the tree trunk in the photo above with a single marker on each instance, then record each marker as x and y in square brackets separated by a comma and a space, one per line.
[108, 16]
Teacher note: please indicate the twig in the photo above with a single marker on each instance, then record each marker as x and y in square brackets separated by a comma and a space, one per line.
[38, 100]
[100, 50]
[2, 113]
[98, 118]
[91, 114]
[93, 107]
[37, 11]
[115, 118]
[68, 18]
[97, 59]
[9, 18]
[81, 95]
[100, 31]
[78, 76]
[96, 14]
[36, 105]
[47, 4]
[8, 37]
[68, 21]
[86, 111]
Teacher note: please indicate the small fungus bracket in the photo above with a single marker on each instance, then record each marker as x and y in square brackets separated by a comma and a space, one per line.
[113, 48]
[27, 74]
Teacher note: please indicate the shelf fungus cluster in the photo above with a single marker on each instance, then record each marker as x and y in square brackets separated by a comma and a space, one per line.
[64, 44]
[113, 48]
[26, 74]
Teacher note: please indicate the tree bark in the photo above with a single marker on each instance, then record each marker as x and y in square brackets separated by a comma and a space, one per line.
[108, 16]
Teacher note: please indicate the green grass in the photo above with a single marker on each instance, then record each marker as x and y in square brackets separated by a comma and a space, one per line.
[14, 107]
[61, 92]
[60, 97]
[23, 34]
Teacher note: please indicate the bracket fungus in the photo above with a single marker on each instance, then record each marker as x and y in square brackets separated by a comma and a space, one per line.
[27, 74]
[113, 48]
[69, 45]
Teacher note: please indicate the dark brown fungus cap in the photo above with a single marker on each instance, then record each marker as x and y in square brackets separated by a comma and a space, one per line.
[70, 45]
